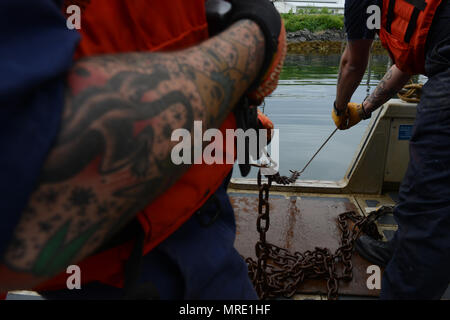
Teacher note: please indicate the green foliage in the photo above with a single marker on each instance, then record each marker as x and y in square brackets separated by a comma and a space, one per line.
[312, 10]
[312, 22]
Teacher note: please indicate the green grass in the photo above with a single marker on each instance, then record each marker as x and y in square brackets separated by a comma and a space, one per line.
[312, 21]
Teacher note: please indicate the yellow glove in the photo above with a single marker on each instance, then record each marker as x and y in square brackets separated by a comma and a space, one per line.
[351, 116]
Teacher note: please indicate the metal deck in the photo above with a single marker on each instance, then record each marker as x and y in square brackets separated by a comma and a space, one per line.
[301, 222]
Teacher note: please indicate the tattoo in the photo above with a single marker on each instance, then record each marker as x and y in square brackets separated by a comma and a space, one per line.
[82, 72]
[382, 92]
[57, 251]
[112, 156]
[45, 227]
[81, 197]
[17, 248]
[48, 197]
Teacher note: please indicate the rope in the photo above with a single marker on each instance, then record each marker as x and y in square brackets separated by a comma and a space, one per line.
[411, 92]
[369, 72]
[295, 174]
[317, 152]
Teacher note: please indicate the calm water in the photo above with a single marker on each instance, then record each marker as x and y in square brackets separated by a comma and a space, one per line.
[301, 109]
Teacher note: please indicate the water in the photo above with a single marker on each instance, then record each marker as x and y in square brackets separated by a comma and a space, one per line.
[301, 109]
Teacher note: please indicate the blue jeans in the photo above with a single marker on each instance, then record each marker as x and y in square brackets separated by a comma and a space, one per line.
[420, 266]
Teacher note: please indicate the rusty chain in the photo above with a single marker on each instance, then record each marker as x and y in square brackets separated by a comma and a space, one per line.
[278, 272]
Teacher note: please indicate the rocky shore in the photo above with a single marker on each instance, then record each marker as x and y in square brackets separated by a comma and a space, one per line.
[321, 42]
[306, 35]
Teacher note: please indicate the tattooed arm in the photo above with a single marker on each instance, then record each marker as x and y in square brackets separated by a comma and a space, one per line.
[112, 156]
[392, 82]
[351, 70]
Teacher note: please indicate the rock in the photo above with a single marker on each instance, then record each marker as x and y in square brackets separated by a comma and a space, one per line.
[325, 35]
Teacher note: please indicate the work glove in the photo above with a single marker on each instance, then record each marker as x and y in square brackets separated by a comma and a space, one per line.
[263, 12]
[221, 15]
[349, 117]
[266, 124]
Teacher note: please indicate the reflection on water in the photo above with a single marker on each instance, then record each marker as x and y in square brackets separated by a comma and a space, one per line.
[301, 109]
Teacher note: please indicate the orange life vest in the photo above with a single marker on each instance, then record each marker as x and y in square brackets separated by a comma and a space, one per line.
[115, 26]
[404, 29]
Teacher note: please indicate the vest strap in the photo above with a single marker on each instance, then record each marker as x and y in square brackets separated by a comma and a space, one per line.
[390, 15]
[412, 25]
[246, 118]
[419, 4]
[133, 289]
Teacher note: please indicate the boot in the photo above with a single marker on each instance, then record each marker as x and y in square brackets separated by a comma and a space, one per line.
[375, 251]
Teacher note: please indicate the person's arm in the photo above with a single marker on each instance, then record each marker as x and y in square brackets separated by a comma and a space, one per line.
[392, 82]
[353, 64]
[112, 156]
[351, 70]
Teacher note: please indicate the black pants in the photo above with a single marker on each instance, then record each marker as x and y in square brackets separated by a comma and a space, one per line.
[197, 262]
[420, 267]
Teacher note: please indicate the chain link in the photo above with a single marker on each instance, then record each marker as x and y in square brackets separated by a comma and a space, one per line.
[278, 272]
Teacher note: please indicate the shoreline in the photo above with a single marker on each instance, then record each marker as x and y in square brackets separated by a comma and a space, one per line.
[322, 42]
[306, 35]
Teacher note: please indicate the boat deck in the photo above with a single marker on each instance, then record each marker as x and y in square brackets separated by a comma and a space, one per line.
[300, 222]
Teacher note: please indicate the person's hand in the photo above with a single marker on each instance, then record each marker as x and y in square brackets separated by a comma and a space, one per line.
[349, 117]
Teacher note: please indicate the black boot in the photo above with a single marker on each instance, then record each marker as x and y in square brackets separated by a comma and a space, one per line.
[375, 251]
